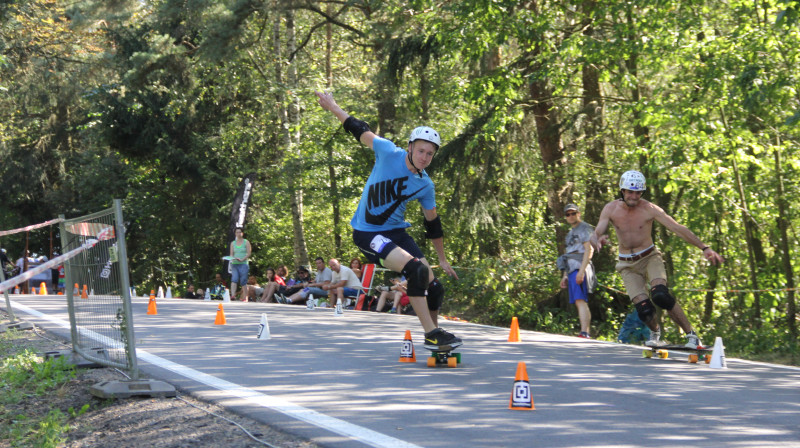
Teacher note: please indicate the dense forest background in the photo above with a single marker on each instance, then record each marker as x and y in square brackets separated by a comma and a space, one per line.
[167, 104]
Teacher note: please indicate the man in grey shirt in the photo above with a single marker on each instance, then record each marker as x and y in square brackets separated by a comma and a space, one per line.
[576, 266]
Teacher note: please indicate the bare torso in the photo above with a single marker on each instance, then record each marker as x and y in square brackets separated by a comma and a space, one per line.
[634, 225]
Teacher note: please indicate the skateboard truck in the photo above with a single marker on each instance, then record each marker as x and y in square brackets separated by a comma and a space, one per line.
[448, 358]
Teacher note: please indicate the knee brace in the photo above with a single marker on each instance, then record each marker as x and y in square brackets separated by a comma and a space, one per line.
[416, 273]
[645, 310]
[661, 297]
[435, 295]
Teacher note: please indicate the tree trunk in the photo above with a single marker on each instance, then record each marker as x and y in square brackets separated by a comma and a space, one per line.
[593, 107]
[334, 188]
[289, 115]
[749, 235]
[783, 226]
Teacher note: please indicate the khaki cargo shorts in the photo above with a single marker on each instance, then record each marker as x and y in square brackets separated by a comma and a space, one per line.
[638, 274]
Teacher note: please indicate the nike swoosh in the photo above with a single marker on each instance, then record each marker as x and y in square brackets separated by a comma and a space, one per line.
[433, 341]
[381, 219]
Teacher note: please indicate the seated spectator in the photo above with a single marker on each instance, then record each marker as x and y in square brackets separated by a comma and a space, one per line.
[217, 290]
[355, 265]
[191, 294]
[321, 279]
[344, 283]
[252, 290]
[272, 283]
[395, 293]
[300, 281]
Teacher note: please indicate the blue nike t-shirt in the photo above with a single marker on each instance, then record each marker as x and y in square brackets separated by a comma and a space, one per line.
[389, 188]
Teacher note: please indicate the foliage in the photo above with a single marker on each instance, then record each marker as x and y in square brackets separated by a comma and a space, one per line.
[168, 106]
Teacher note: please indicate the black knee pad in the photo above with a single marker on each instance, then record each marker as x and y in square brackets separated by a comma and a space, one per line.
[661, 297]
[645, 310]
[435, 295]
[416, 272]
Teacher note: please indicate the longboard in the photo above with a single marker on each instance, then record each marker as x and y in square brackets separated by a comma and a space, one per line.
[447, 358]
[695, 354]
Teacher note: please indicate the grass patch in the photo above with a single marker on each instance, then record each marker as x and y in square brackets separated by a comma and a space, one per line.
[27, 381]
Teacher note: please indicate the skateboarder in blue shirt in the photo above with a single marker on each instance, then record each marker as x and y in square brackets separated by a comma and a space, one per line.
[379, 222]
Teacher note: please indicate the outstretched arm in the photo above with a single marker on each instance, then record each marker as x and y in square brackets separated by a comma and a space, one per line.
[328, 103]
[438, 244]
[687, 235]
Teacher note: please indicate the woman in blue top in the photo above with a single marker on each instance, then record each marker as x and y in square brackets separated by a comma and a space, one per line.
[379, 222]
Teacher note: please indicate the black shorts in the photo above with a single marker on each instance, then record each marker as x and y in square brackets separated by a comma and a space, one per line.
[377, 245]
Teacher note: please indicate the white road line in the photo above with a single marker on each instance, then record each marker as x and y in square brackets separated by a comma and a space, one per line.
[341, 427]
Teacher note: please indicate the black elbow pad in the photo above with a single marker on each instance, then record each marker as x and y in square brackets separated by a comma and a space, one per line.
[355, 127]
[433, 229]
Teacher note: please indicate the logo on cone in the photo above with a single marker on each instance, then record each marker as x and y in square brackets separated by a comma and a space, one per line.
[718, 355]
[521, 394]
[407, 350]
[220, 320]
[513, 335]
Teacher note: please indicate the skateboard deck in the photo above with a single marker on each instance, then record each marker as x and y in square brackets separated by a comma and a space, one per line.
[694, 354]
[447, 358]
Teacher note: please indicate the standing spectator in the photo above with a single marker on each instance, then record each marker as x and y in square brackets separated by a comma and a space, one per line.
[240, 266]
[576, 265]
[321, 278]
[344, 283]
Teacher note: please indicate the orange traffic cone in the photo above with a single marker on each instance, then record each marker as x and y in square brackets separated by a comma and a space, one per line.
[33, 291]
[16, 290]
[407, 351]
[84, 295]
[521, 394]
[151, 306]
[42, 289]
[513, 335]
[220, 320]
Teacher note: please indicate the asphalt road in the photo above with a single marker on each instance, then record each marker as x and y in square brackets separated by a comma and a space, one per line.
[338, 382]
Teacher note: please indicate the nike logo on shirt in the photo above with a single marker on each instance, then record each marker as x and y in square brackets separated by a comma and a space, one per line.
[382, 193]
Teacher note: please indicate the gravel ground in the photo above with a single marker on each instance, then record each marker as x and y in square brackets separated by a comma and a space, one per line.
[135, 422]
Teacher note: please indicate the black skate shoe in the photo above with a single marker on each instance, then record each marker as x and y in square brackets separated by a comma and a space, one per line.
[439, 340]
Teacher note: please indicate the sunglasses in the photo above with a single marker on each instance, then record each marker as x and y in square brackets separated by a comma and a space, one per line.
[570, 213]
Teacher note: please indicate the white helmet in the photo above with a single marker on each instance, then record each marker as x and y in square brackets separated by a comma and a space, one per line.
[632, 180]
[425, 133]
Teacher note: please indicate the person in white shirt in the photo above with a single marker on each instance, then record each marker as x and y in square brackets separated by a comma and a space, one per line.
[344, 282]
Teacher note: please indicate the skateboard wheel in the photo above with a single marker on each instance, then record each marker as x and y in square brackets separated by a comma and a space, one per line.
[663, 354]
[458, 357]
[432, 362]
[452, 361]
[647, 354]
[693, 358]
[708, 359]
